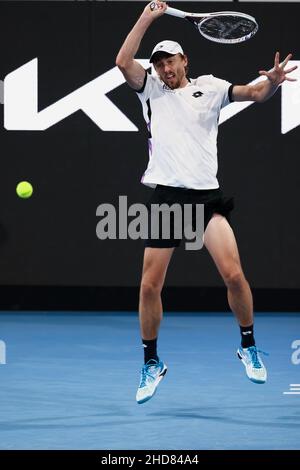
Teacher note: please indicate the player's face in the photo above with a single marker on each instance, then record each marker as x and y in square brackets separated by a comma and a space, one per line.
[171, 70]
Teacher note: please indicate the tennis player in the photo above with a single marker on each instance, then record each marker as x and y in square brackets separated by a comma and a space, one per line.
[182, 119]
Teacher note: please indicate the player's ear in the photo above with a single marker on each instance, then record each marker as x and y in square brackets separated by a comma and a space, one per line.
[155, 69]
[186, 63]
[184, 59]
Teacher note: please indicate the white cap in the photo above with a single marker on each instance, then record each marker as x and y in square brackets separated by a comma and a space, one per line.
[171, 47]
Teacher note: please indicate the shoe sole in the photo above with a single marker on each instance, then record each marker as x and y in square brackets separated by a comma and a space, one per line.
[158, 380]
[252, 380]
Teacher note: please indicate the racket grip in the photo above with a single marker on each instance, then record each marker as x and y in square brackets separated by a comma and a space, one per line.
[175, 12]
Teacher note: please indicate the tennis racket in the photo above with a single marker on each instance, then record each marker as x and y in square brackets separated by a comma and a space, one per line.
[227, 27]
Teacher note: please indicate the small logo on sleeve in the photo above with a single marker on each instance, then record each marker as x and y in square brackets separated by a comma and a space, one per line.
[197, 94]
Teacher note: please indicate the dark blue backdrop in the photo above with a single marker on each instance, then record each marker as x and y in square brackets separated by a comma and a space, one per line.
[50, 240]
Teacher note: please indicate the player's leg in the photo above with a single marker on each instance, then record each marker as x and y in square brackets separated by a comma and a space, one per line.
[220, 241]
[155, 265]
[156, 261]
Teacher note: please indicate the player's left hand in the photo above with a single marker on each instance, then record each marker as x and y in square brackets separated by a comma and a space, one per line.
[278, 74]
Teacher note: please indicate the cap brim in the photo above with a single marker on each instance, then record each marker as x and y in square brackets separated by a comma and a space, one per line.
[160, 52]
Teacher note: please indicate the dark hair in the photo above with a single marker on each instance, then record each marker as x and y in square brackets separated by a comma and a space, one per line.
[164, 55]
[160, 55]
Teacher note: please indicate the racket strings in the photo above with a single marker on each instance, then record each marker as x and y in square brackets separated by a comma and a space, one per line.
[223, 28]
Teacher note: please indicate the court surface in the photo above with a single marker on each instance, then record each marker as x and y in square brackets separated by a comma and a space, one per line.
[70, 382]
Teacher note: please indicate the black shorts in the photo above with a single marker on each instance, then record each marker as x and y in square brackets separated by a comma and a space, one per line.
[213, 200]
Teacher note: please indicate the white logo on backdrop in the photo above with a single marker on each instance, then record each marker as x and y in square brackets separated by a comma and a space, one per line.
[290, 101]
[20, 98]
[21, 101]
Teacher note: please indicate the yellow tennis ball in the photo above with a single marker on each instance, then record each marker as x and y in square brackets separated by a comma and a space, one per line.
[24, 189]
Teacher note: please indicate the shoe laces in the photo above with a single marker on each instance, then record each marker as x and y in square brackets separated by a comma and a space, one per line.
[149, 367]
[253, 351]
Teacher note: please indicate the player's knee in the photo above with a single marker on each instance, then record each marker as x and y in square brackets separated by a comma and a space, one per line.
[150, 288]
[234, 278]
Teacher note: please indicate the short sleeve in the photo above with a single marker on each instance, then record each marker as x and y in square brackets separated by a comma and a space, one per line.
[147, 89]
[224, 89]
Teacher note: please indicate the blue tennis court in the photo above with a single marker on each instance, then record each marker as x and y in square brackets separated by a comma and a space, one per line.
[70, 382]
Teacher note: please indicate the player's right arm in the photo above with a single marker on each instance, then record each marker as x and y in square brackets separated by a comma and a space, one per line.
[133, 72]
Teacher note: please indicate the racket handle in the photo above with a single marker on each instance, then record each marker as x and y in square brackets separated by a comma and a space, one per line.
[175, 12]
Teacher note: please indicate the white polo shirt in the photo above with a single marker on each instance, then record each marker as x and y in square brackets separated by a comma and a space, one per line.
[183, 129]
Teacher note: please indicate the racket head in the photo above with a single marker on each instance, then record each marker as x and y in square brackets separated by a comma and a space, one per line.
[226, 27]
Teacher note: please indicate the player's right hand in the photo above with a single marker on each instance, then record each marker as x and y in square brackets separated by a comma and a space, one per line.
[154, 9]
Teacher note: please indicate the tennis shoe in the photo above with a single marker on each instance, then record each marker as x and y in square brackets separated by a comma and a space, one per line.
[254, 366]
[151, 374]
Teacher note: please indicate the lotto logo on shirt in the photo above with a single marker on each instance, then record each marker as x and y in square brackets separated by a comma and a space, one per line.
[197, 94]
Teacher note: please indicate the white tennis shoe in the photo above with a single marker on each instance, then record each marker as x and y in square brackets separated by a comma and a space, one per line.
[254, 366]
[151, 375]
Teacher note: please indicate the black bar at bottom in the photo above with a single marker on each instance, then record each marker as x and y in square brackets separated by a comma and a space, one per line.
[137, 458]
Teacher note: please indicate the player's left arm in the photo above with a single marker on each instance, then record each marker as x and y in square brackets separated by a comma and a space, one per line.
[262, 91]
